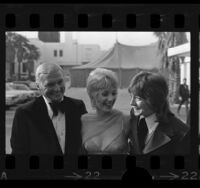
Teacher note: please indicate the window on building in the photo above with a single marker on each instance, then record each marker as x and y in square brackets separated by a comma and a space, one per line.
[61, 53]
[24, 67]
[55, 53]
[12, 68]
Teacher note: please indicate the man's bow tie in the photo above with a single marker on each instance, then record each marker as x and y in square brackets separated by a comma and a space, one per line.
[57, 106]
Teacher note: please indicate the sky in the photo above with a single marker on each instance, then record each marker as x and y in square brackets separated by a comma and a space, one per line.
[106, 39]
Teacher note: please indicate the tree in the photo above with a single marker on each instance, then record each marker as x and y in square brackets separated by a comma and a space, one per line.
[19, 50]
[171, 66]
[31, 55]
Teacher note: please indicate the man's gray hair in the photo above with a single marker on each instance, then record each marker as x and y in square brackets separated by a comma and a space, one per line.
[45, 69]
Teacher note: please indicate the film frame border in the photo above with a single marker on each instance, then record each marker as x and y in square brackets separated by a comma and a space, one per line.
[105, 18]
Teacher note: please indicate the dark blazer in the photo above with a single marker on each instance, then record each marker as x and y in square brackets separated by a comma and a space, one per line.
[33, 131]
[171, 138]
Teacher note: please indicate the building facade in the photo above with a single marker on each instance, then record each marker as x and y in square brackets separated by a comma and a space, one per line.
[67, 54]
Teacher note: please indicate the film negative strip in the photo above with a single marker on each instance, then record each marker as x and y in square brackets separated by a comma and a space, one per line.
[30, 150]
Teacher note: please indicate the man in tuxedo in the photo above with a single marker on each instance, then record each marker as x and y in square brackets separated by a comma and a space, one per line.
[50, 124]
[184, 96]
[154, 128]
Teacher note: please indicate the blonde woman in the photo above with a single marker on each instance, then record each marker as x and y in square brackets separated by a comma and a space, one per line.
[106, 130]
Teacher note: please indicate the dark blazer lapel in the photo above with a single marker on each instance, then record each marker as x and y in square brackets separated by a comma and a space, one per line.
[158, 139]
[44, 122]
[68, 124]
[73, 127]
[134, 138]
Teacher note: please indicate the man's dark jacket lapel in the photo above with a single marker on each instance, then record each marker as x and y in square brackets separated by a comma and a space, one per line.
[134, 135]
[159, 138]
[45, 124]
[72, 126]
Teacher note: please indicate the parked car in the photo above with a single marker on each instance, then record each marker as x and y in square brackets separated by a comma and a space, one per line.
[18, 93]
[30, 84]
[29, 87]
[11, 96]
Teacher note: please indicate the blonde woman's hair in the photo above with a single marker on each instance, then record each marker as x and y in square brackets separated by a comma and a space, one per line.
[99, 79]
